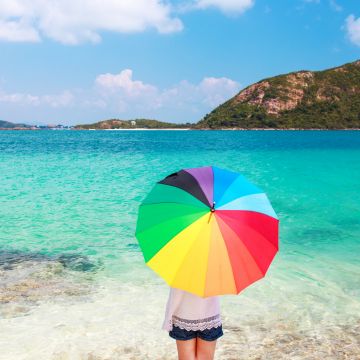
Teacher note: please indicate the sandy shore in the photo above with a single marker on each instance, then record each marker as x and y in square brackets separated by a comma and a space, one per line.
[48, 314]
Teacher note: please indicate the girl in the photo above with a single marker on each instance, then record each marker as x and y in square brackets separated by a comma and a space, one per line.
[194, 323]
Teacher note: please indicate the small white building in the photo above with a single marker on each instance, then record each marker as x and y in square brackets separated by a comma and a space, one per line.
[133, 122]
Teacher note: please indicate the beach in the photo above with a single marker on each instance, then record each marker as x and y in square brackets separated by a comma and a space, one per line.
[73, 283]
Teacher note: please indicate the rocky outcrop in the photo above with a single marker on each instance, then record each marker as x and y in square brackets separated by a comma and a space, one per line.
[289, 94]
[321, 99]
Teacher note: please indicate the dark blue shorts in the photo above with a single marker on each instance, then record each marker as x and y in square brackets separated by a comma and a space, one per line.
[207, 334]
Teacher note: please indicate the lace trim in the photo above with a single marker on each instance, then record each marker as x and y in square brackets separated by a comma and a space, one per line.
[201, 324]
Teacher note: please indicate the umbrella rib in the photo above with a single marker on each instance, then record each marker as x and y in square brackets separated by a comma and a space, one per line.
[137, 234]
[244, 264]
[227, 188]
[198, 202]
[176, 202]
[239, 197]
[188, 170]
[262, 236]
[198, 185]
[264, 198]
[275, 247]
[232, 183]
[226, 254]
[201, 188]
[169, 220]
[254, 257]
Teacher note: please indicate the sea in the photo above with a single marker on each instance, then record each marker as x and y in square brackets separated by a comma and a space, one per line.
[73, 282]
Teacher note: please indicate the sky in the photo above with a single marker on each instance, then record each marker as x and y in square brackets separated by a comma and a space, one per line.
[81, 61]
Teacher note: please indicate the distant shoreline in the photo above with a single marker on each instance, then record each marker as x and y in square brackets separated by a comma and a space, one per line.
[223, 129]
[183, 129]
[136, 129]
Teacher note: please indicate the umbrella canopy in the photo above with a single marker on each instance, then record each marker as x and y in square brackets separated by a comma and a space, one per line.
[208, 231]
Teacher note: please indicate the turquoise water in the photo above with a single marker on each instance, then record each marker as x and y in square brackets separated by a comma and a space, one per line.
[68, 209]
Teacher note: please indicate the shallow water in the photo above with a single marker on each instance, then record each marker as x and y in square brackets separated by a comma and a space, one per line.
[73, 284]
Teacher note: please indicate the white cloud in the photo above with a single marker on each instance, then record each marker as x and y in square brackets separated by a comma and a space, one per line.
[124, 82]
[123, 93]
[227, 6]
[55, 101]
[60, 100]
[353, 29]
[217, 90]
[76, 21]
[18, 31]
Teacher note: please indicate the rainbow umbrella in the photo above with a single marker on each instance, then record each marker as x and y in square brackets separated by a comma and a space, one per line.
[208, 231]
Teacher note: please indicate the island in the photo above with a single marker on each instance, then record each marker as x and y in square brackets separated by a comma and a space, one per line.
[117, 124]
[328, 99]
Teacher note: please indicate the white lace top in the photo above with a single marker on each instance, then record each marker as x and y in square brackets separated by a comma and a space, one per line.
[191, 312]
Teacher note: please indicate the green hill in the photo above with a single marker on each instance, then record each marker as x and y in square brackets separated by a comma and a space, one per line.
[328, 99]
[131, 124]
[9, 125]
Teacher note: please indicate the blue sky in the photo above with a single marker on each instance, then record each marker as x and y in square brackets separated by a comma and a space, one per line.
[82, 61]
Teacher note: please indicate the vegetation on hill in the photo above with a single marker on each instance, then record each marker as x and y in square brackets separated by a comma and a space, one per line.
[328, 99]
[9, 125]
[132, 124]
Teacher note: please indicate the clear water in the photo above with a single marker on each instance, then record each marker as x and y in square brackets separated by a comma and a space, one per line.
[73, 284]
